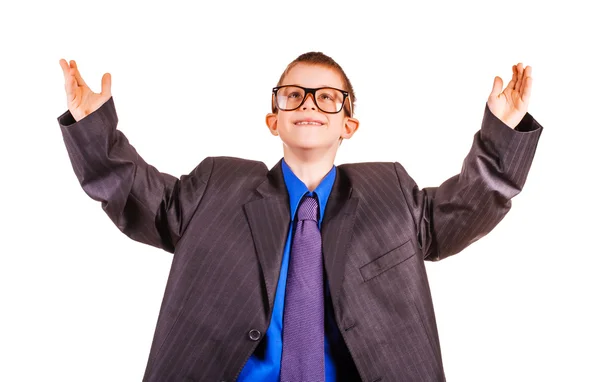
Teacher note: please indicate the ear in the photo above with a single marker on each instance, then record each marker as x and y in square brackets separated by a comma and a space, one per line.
[350, 127]
[271, 121]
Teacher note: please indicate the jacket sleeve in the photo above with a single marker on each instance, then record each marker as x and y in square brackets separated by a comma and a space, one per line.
[147, 205]
[467, 206]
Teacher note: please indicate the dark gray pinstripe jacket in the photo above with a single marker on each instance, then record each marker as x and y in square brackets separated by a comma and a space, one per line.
[226, 223]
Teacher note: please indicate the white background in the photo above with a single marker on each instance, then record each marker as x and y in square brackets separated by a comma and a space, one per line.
[79, 300]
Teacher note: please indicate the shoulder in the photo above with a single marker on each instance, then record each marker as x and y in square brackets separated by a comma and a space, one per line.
[226, 172]
[238, 163]
[211, 165]
[369, 171]
[376, 178]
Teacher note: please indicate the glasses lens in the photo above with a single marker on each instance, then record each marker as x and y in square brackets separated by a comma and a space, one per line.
[289, 97]
[330, 100]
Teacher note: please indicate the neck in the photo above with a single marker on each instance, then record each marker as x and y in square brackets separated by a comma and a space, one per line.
[308, 166]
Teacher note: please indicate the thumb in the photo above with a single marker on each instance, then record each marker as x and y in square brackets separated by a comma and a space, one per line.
[106, 84]
[497, 88]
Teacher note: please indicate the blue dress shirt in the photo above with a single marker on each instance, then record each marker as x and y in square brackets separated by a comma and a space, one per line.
[267, 365]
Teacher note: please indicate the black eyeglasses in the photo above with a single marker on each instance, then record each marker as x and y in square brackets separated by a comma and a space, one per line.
[328, 100]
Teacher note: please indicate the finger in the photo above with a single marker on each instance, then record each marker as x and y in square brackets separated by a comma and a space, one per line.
[106, 84]
[75, 72]
[70, 82]
[65, 68]
[526, 73]
[70, 86]
[527, 90]
[519, 76]
[497, 88]
[513, 80]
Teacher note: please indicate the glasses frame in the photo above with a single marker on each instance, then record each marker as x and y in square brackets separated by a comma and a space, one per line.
[313, 91]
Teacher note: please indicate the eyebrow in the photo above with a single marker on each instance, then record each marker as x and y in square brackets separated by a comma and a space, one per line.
[320, 86]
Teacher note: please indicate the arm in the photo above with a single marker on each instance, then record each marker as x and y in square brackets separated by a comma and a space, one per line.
[148, 206]
[467, 206]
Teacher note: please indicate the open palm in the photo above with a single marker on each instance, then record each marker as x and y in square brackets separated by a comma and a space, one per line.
[510, 105]
[81, 100]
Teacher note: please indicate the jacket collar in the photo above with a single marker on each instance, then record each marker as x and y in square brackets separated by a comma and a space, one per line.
[269, 217]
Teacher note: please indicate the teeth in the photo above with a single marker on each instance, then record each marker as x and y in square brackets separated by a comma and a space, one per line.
[308, 123]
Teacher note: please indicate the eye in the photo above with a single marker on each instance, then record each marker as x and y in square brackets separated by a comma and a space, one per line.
[326, 96]
[294, 95]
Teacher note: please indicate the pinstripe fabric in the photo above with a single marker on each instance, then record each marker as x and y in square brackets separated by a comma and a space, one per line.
[226, 223]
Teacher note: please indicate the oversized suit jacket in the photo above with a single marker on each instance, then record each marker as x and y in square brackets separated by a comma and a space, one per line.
[226, 223]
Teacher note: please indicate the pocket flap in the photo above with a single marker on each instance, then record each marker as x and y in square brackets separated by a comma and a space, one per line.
[387, 260]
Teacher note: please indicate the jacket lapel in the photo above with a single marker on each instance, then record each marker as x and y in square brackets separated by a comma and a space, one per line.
[337, 226]
[269, 220]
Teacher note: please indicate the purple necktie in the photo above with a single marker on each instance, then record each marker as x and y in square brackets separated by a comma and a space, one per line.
[303, 356]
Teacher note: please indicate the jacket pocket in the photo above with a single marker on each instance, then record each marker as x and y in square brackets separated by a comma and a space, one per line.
[387, 260]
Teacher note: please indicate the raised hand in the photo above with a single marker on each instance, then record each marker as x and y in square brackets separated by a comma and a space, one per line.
[510, 105]
[81, 101]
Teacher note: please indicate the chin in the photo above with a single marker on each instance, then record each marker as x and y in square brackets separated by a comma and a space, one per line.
[309, 145]
[309, 142]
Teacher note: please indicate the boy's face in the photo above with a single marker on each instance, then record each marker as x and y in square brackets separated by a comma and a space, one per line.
[308, 127]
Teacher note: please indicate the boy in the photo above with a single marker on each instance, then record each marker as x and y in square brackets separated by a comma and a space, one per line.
[307, 271]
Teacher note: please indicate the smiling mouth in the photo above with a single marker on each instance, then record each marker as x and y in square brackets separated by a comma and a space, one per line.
[306, 123]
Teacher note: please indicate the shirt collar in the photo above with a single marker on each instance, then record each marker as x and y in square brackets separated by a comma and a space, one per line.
[297, 189]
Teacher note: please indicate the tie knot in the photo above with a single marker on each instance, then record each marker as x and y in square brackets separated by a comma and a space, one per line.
[308, 209]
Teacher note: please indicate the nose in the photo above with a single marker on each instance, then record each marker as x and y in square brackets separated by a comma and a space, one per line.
[309, 102]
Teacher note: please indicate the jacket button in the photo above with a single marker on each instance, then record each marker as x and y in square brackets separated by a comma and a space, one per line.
[254, 335]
